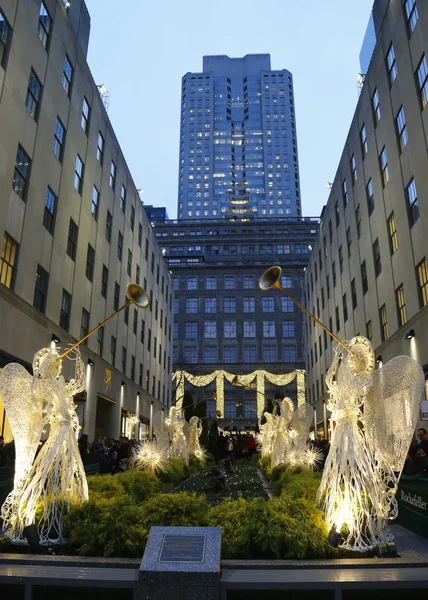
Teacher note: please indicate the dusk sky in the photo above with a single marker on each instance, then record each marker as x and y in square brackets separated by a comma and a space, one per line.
[141, 51]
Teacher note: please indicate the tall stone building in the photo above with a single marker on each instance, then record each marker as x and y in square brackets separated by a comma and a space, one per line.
[368, 270]
[73, 228]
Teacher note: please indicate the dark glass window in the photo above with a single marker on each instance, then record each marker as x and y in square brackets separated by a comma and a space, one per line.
[354, 169]
[78, 174]
[34, 92]
[5, 35]
[132, 218]
[123, 198]
[94, 202]
[8, 261]
[119, 246]
[113, 350]
[422, 79]
[104, 282]
[401, 305]
[58, 141]
[41, 289]
[392, 230]
[345, 196]
[412, 15]
[364, 277]
[376, 107]
[100, 148]
[383, 323]
[422, 272]
[400, 125]
[376, 258]
[50, 211]
[383, 160]
[345, 308]
[116, 296]
[140, 233]
[109, 224]
[391, 64]
[412, 202]
[363, 139]
[370, 196]
[73, 232]
[67, 76]
[86, 112]
[64, 315]
[354, 294]
[358, 220]
[22, 173]
[129, 263]
[124, 360]
[112, 178]
[44, 26]
[90, 262]
[84, 325]
[100, 341]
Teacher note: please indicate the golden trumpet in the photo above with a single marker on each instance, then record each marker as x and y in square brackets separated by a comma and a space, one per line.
[271, 278]
[135, 294]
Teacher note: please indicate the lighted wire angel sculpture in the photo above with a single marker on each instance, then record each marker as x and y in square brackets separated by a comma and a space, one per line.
[161, 430]
[195, 430]
[51, 482]
[375, 415]
[282, 432]
[267, 434]
[177, 425]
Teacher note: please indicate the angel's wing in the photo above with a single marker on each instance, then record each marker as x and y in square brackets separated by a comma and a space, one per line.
[391, 409]
[186, 431]
[161, 429]
[24, 411]
[301, 421]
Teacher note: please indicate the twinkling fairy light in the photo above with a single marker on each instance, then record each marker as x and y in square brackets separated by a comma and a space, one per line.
[151, 458]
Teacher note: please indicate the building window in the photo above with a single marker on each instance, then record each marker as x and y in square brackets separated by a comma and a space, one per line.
[269, 353]
[288, 329]
[364, 277]
[191, 306]
[392, 230]
[330, 230]
[94, 202]
[132, 218]
[383, 160]
[8, 261]
[50, 211]
[21, 173]
[90, 262]
[86, 111]
[354, 294]
[100, 341]
[44, 26]
[289, 354]
[113, 350]
[337, 213]
[287, 305]
[5, 34]
[73, 232]
[104, 282]
[133, 368]
[229, 305]
[119, 246]
[411, 12]
[124, 357]
[122, 198]
[64, 315]
[210, 305]
[192, 283]
[370, 196]
[268, 305]
[176, 306]
[363, 139]
[400, 124]
[135, 322]
[249, 305]
[109, 224]
[210, 282]
[58, 141]
[126, 312]
[129, 263]
[337, 319]
[345, 308]
[391, 64]
[40, 289]
[401, 305]
[248, 282]
[84, 325]
[286, 281]
[137, 274]
[140, 234]
[229, 330]
[345, 193]
[268, 329]
[230, 354]
[341, 259]
[146, 251]
[423, 282]
[116, 296]
[376, 258]
[249, 329]
[33, 95]
[383, 323]
[412, 202]
[376, 107]
[210, 329]
[143, 331]
[422, 76]
[210, 354]
[78, 174]
[191, 354]
[354, 169]
[250, 354]
[369, 331]
[229, 282]
[100, 148]
[191, 330]
[358, 220]
[349, 241]
[67, 76]
[333, 270]
[112, 177]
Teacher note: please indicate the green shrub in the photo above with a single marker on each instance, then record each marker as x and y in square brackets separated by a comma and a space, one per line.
[297, 484]
[176, 472]
[265, 467]
[196, 464]
[236, 518]
[139, 485]
[182, 509]
[107, 486]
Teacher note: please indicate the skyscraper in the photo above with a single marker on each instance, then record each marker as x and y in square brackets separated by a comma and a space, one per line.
[238, 148]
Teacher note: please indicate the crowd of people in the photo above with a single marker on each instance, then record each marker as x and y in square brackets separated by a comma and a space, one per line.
[111, 455]
[416, 464]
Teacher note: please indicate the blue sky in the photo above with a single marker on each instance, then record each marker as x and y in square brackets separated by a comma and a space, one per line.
[140, 49]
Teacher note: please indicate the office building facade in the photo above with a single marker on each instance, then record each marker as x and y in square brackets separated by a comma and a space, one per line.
[73, 229]
[368, 271]
[238, 147]
[221, 318]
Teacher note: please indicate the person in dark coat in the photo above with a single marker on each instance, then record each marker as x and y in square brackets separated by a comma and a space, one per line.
[96, 455]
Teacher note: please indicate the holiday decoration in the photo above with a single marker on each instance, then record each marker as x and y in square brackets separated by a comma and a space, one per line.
[151, 458]
[177, 425]
[195, 430]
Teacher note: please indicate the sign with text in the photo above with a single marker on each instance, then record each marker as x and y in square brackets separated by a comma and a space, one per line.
[182, 548]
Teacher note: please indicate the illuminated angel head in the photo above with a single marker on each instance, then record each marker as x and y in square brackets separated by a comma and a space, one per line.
[287, 406]
[173, 412]
[361, 358]
[46, 364]
[194, 421]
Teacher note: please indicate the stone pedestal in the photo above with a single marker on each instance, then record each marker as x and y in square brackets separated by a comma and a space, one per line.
[181, 563]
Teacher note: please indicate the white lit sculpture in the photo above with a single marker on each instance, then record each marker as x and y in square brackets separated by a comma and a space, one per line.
[375, 415]
[177, 425]
[195, 430]
[47, 485]
[282, 432]
[267, 435]
[161, 429]
[151, 458]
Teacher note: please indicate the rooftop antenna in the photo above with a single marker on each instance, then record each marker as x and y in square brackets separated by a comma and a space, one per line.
[105, 95]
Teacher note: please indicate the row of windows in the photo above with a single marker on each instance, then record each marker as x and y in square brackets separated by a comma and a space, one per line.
[229, 282]
[267, 328]
[248, 305]
[250, 354]
[241, 249]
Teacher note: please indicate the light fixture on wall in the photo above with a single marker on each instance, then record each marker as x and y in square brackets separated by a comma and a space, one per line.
[410, 334]
[123, 384]
[378, 359]
[55, 338]
[90, 362]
